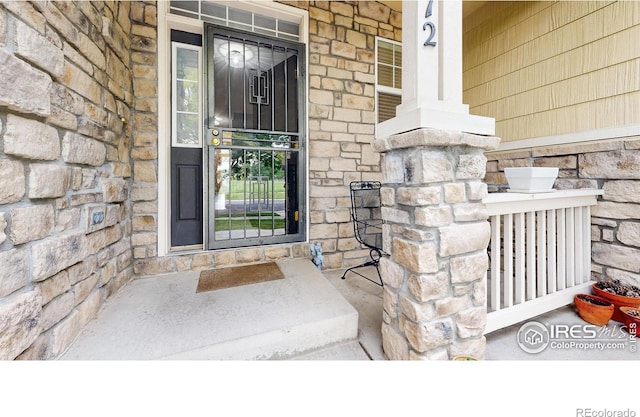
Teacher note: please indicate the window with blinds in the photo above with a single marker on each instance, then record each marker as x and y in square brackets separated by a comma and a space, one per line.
[388, 78]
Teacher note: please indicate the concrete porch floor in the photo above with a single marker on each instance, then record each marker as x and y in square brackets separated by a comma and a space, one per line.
[310, 315]
[302, 316]
[503, 345]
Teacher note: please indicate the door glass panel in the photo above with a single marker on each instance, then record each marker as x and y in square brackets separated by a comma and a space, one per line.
[279, 76]
[236, 58]
[222, 83]
[292, 92]
[254, 193]
[185, 80]
[187, 129]
[254, 154]
[269, 140]
[256, 85]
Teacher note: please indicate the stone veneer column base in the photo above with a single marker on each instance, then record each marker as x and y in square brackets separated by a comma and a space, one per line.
[437, 233]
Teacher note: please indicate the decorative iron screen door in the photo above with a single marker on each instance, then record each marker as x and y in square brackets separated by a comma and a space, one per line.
[255, 123]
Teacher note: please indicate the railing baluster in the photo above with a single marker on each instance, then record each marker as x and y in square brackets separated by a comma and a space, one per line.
[531, 255]
[562, 249]
[551, 251]
[571, 248]
[541, 230]
[495, 263]
[508, 259]
[579, 239]
[587, 242]
[520, 260]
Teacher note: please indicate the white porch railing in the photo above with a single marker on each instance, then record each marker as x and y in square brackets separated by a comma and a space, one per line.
[540, 253]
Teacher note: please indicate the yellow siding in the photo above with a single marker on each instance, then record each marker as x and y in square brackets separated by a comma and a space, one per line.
[548, 68]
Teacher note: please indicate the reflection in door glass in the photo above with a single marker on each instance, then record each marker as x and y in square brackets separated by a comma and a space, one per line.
[186, 100]
[256, 85]
[250, 193]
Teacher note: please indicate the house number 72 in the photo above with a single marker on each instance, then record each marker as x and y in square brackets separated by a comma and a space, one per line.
[430, 25]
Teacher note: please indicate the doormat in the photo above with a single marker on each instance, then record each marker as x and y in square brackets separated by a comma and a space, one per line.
[216, 279]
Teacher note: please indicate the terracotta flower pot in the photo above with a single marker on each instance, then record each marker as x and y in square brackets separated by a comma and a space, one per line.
[618, 301]
[631, 318]
[593, 309]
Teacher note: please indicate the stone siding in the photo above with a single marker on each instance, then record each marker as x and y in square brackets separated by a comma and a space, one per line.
[65, 130]
[143, 163]
[342, 115]
[612, 165]
[79, 156]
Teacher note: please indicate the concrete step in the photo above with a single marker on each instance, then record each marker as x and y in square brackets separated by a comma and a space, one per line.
[163, 317]
[345, 351]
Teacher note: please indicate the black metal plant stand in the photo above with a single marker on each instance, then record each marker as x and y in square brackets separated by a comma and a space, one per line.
[367, 224]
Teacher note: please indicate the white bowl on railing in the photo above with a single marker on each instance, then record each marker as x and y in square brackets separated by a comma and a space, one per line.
[531, 179]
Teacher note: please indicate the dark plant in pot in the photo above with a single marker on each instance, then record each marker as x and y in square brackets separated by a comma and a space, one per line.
[619, 294]
[631, 318]
[593, 309]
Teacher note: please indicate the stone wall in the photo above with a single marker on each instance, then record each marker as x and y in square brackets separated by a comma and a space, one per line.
[79, 156]
[66, 91]
[342, 115]
[612, 165]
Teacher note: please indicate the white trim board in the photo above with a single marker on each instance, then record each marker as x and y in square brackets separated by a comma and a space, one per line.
[568, 138]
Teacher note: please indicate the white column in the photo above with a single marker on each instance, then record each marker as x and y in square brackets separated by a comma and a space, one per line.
[432, 72]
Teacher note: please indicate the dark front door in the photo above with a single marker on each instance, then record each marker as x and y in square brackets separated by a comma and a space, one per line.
[254, 124]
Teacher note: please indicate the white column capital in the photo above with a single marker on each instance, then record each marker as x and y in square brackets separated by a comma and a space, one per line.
[432, 72]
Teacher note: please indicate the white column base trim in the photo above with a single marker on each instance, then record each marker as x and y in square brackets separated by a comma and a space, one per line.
[436, 119]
